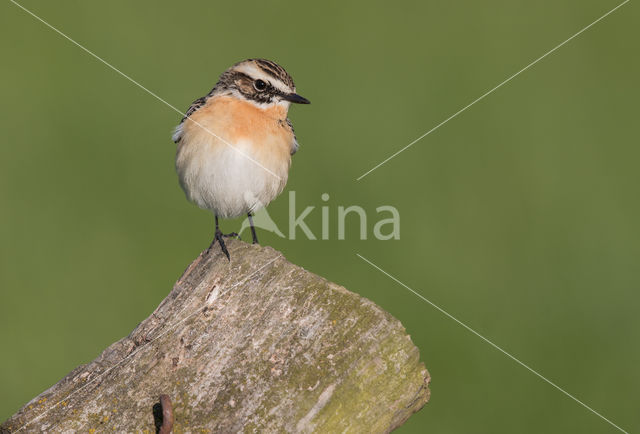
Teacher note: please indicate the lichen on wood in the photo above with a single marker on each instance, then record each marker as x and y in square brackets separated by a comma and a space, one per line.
[252, 345]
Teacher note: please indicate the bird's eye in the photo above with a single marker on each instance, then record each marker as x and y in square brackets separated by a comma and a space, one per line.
[260, 85]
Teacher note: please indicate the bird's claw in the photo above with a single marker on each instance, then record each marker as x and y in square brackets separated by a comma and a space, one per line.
[219, 237]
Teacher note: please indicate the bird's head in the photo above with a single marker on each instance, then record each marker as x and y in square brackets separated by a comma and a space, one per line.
[261, 82]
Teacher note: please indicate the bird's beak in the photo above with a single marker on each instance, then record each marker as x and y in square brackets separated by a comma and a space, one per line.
[295, 98]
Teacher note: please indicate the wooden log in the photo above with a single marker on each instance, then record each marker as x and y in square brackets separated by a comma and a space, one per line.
[253, 345]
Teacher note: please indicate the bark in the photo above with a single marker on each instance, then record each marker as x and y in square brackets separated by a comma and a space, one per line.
[255, 344]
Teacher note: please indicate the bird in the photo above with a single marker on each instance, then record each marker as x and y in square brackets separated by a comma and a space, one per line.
[234, 145]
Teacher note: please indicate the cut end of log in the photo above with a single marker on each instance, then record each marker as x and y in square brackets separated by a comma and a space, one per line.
[254, 344]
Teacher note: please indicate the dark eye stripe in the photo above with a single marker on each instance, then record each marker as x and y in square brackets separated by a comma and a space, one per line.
[231, 76]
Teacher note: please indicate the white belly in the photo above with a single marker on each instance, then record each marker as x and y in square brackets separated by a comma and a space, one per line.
[219, 178]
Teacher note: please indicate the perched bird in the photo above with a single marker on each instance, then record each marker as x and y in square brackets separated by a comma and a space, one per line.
[235, 143]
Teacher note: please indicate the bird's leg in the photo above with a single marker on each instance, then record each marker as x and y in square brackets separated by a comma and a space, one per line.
[219, 238]
[253, 230]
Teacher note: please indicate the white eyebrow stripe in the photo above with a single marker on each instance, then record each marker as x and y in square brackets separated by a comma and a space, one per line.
[257, 73]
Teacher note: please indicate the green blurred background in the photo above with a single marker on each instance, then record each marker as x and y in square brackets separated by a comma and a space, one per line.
[520, 216]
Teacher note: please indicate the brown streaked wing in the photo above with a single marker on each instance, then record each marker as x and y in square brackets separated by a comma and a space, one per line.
[296, 145]
[197, 104]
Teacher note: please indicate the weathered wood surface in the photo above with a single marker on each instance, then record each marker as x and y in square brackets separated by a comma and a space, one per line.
[254, 345]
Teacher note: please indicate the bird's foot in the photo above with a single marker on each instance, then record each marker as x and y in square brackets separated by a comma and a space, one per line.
[219, 237]
[232, 235]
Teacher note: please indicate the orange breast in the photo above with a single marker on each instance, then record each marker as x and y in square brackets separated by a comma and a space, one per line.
[235, 120]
